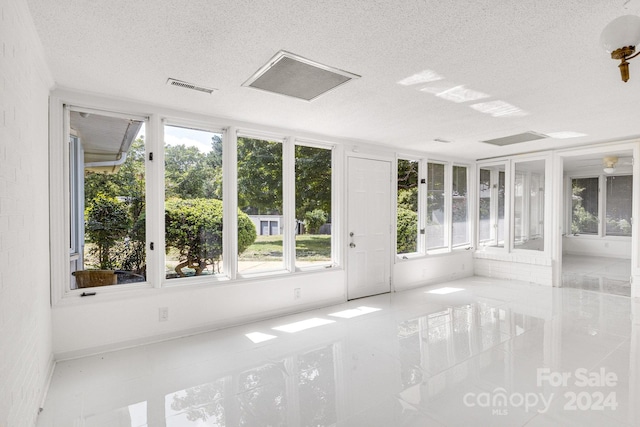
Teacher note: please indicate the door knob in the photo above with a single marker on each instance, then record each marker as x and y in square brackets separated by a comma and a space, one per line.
[352, 245]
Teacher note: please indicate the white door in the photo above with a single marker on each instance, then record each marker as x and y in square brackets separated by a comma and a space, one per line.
[369, 227]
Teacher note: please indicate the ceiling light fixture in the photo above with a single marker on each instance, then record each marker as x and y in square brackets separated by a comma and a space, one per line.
[620, 38]
[609, 164]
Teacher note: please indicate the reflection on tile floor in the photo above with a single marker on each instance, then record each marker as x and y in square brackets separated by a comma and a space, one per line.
[599, 274]
[498, 353]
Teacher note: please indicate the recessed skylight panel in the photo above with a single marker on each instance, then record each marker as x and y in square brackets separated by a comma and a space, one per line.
[499, 109]
[565, 134]
[456, 94]
[425, 76]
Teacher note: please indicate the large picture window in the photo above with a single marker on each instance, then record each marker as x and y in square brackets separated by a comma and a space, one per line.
[407, 206]
[584, 204]
[107, 200]
[193, 202]
[460, 207]
[436, 206]
[601, 211]
[619, 191]
[260, 197]
[313, 205]
[528, 202]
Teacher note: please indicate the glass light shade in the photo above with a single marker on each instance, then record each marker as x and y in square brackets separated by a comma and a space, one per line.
[621, 32]
[609, 170]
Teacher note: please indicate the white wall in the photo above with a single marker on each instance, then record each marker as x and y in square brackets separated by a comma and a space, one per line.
[513, 266]
[25, 315]
[107, 321]
[423, 271]
[612, 247]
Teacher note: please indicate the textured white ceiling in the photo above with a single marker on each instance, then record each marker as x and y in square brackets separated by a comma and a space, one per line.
[541, 56]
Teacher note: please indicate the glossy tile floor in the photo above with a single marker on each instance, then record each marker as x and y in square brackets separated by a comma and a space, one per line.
[600, 274]
[493, 353]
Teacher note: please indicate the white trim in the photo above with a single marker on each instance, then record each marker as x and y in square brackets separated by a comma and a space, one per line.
[313, 143]
[601, 148]
[107, 113]
[58, 199]
[289, 204]
[230, 203]
[259, 134]
[154, 170]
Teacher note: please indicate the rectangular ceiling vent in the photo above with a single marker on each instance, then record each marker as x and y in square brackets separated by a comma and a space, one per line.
[180, 83]
[516, 139]
[292, 75]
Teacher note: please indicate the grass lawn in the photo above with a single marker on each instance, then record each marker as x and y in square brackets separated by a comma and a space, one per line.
[308, 248]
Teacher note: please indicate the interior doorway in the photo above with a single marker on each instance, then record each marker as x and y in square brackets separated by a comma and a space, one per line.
[598, 207]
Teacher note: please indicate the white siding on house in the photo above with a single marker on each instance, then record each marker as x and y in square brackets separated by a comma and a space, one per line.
[25, 314]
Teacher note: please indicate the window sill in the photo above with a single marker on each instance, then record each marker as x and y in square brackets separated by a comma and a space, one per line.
[104, 293]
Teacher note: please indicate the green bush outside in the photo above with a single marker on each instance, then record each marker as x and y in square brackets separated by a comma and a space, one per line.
[315, 219]
[194, 229]
[107, 222]
[407, 233]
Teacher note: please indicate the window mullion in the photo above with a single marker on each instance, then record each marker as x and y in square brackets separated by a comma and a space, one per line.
[154, 170]
[602, 208]
[448, 211]
[230, 202]
[422, 207]
[288, 204]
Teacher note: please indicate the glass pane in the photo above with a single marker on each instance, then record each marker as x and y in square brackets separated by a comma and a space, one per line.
[435, 206]
[484, 215]
[313, 206]
[491, 213]
[528, 194]
[619, 193]
[407, 231]
[193, 202]
[460, 228]
[109, 186]
[584, 200]
[502, 186]
[260, 197]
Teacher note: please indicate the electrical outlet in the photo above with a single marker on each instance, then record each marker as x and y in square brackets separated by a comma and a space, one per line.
[163, 314]
[296, 293]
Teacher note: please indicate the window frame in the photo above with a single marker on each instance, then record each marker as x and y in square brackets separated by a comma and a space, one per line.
[448, 246]
[154, 119]
[67, 170]
[159, 184]
[446, 214]
[469, 206]
[494, 205]
[602, 206]
[546, 200]
[333, 215]
[420, 238]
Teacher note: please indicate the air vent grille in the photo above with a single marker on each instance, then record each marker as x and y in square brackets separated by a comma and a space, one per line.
[185, 85]
[515, 139]
[292, 75]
